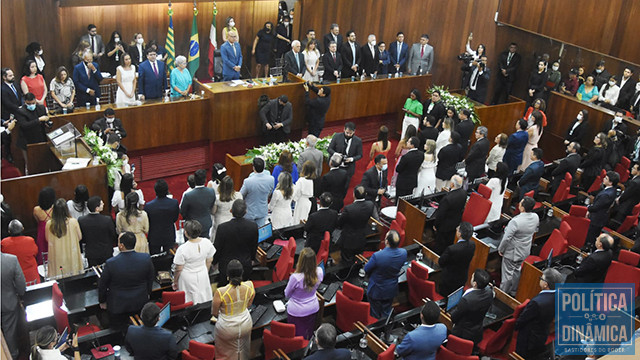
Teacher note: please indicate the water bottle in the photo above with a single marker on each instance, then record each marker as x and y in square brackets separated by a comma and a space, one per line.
[419, 256]
[64, 110]
[362, 273]
[363, 345]
[550, 212]
[88, 105]
[388, 76]
[362, 77]
[353, 78]
[400, 74]
[97, 104]
[397, 75]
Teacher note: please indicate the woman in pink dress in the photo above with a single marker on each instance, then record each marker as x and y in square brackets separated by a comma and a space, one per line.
[42, 214]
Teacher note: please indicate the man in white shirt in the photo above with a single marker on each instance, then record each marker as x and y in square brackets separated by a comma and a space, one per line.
[95, 41]
[421, 57]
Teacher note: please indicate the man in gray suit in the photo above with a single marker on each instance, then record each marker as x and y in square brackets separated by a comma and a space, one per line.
[94, 40]
[420, 57]
[198, 203]
[13, 287]
[256, 190]
[516, 244]
[313, 154]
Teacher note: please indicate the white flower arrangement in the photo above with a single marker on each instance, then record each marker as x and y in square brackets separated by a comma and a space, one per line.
[104, 153]
[458, 101]
[271, 152]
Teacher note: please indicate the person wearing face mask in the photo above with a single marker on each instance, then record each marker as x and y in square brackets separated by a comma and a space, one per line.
[137, 49]
[578, 127]
[283, 36]
[570, 85]
[600, 74]
[609, 94]
[35, 52]
[554, 79]
[108, 124]
[420, 57]
[537, 81]
[230, 26]
[262, 48]
[115, 51]
[374, 180]
[627, 88]
[32, 120]
[616, 123]
[94, 40]
[87, 78]
[370, 56]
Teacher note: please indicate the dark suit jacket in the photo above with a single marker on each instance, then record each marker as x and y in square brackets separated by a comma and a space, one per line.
[530, 180]
[476, 158]
[281, 45]
[515, 146]
[319, 222]
[448, 157]
[163, 213]
[533, 324]
[347, 59]
[578, 133]
[236, 239]
[100, 125]
[593, 162]
[383, 269]
[599, 210]
[197, 204]
[335, 182]
[427, 133]
[147, 343]
[626, 92]
[630, 197]
[99, 235]
[480, 93]
[330, 66]
[370, 61]
[339, 145]
[330, 354]
[468, 315]
[329, 38]
[135, 55]
[32, 130]
[317, 107]
[10, 103]
[407, 170]
[438, 111]
[126, 282]
[454, 263]
[371, 183]
[392, 48]
[633, 100]
[567, 165]
[450, 209]
[82, 83]
[269, 114]
[622, 127]
[465, 129]
[353, 221]
[150, 85]
[292, 66]
[511, 68]
[594, 268]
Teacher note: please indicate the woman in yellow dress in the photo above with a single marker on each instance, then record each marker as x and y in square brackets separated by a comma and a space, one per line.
[63, 235]
[134, 220]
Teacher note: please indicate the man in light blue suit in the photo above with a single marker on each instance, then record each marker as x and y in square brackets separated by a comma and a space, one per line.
[256, 190]
[398, 53]
[152, 77]
[231, 57]
[87, 77]
[423, 342]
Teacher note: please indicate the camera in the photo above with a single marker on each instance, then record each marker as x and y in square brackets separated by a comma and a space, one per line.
[465, 57]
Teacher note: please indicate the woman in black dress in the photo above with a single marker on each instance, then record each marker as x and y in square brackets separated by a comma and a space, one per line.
[262, 48]
[115, 51]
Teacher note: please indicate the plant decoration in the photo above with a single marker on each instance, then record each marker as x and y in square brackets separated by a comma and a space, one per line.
[104, 153]
[458, 101]
[271, 152]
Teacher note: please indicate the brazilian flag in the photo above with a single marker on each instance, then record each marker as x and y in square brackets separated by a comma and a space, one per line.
[194, 47]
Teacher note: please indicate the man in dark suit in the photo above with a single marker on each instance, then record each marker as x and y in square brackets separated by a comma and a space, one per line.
[631, 195]
[634, 103]
[508, 64]
[428, 132]
[98, 233]
[109, 124]
[163, 212]
[577, 129]
[284, 33]
[351, 56]
[236, 239]
[465, 129]
[326, 340]
[434, 106]
[616, 123]
[317, 107]
[94, 40]
[530, 180]
[455, 260]
[11, 94]
[449, 213]
[335, 182]
[32, 121]
[294, 60]
[515, 146]
[598, 211]
[152, 78]
[325, 219]
[354, 220]
[198, 203]
[276, 117]
[332, 61]
[333, 35]
[448, 157]
[126, 281]
[594, 268]
[87, 78]
[383, 268]
[349, 146]
[408, 167]
[468, 315]
[398, 53]
[627, 88]
[13, 289]
[374, 180]
[534, 322]
[479, 79]
[569, 164]
[474, 163]
[150, 341]
[370, 56]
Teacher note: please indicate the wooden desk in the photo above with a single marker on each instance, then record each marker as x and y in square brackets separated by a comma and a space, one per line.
[529, 285]
[415, 221]
[480, 257]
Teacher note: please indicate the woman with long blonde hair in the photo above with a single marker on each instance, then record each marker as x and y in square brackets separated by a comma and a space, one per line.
[301, 291]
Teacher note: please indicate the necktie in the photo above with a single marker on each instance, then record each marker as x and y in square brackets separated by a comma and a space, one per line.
[474, 81]
[15, 91]
[93, 44]
[353, 50]
[155, 69]
[88, 72]
[234, 50]
[509, 58]
[422, 52]
[297, 61]
[380, 178]
[334, 57]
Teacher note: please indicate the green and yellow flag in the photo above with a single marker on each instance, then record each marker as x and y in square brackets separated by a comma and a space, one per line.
[169, 44]
[194, 46]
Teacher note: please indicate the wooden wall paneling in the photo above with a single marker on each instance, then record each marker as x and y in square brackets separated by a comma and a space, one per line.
[501, 118]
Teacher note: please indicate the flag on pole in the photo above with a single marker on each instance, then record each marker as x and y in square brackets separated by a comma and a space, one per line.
[169, 44]
[213, 44]
[194, 45]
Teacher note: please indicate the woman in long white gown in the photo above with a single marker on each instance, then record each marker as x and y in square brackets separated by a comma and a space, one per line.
[498, 185]
[427, 173]
[303, 192]
[311, 61]
[126, 77]
[445, 134]
[193, 260]
[280, 204]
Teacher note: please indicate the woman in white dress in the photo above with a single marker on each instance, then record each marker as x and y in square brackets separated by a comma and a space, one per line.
[311, 61]
[280, 204]
[497, 153]
[126, 77]
[498, 185]
[445, 134]
[226, 195]
[535, 132]
[193, 260]
[127, 185]
[303, 192]
[427, 174]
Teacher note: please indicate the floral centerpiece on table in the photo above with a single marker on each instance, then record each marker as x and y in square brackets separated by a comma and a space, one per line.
[104, 153]
[271, 152]
[458, 101]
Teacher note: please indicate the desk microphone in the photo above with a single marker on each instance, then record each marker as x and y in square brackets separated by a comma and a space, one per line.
[249, 70]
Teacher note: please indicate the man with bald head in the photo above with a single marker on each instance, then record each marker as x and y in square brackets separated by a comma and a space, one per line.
[449, 214]
[294, 60]
[594, 268]
[310, 153]
[231, 54]
[87, 78]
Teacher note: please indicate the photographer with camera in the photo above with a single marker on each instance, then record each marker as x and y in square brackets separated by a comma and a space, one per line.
[469, 56]
[480, 74]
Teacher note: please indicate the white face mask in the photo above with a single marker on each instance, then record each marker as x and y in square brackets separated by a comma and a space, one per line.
[579, 117]
[384, 167]
[638, 86]
[617, 119]
[110, 120]
[117, 40]
[286, 23]
[598, 71]
[232, 23]
[555, 68]
[140, 41]
[40, 52]
[611, 83]
[373, 43]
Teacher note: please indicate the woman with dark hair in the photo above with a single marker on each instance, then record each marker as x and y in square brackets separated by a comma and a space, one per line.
[63, 90]
[578, 127]
[42, 214]
[609, 94]
[44, 345]
[193, 260]
[301, 292]
[34, 83]
[63, 235]
[498, 185]
[225, 196]
[311, 60]
[381, 146]
[535, 132]
[413, 110]
[263, 48]
[593, 162]
[34, 51]
[115, 51]
[588, 91]
[78, 206]
[134, 220]
[481, 50]
[303, 192]
[452, 114]
[127, 185]
[127, 79]
[497, 153]
[218, 172]
[280, 204]
[230, 304]
[230, 25]
[285, 163]
[383, 63]
[539, 105]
